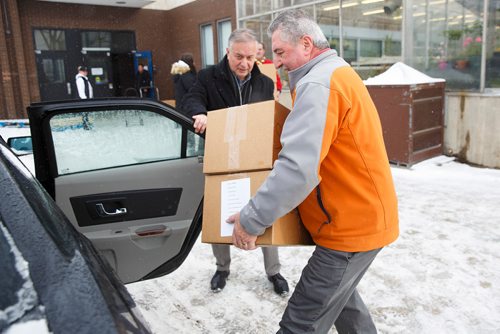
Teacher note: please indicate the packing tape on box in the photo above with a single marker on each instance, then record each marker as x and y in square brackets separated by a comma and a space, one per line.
[236, 131]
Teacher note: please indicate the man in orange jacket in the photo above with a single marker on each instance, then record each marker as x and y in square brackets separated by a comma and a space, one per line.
[334, 167]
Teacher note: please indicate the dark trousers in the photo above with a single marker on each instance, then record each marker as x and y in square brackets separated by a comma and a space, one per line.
[326, 295]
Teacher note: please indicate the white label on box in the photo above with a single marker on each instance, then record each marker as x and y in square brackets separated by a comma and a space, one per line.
[235, 194]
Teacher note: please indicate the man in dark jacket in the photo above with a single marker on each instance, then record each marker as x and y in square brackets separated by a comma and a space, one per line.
[234, 81]
[143, 81]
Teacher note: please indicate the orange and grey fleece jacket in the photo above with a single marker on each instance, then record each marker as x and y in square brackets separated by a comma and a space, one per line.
[333, 165]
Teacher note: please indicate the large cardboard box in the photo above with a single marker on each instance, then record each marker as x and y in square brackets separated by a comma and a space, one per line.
[286, 231]
[270, 71]
[244, 138]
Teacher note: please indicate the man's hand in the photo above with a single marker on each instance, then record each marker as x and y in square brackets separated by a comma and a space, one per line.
[200, 123]
[241, 238]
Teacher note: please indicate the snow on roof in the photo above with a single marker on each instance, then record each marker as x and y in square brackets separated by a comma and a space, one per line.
[401, 74]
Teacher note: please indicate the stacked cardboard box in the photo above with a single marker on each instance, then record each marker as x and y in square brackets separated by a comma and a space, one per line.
[241, 145]
[270, 71]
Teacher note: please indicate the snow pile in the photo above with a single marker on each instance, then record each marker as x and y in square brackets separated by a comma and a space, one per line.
[401, 74]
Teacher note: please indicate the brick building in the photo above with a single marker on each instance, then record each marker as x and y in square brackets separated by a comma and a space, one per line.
[42, 43]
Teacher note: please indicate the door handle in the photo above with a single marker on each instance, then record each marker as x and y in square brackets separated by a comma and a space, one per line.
[103, 213]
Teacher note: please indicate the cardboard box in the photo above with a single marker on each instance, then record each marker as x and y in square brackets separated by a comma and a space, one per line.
[286, 231]
[244, 138]
[170, 102]
[269, 70]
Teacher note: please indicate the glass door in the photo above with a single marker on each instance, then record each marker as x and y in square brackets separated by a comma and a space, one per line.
[54, 77]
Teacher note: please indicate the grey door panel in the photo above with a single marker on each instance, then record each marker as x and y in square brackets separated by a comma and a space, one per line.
[135, 247]
[128, 175]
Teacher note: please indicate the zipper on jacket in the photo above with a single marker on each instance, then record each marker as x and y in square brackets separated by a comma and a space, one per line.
[327, 214]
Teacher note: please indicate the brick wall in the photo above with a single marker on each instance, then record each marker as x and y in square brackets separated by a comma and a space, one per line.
[14, 88]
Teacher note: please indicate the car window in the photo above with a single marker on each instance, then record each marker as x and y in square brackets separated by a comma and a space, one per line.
[103, 139]
[195, 145]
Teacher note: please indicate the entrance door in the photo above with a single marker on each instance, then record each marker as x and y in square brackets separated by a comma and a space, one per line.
[53, 76]
[123, 74]
[100, 71]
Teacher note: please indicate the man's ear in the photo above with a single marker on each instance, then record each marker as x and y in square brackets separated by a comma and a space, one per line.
[227, 51]
[307, 43]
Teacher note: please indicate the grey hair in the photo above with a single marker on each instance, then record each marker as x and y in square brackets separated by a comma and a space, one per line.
[242, 35]
[293, 24]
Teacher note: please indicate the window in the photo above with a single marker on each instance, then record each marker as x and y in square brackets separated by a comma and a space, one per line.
[195, 145]
[447, 41]
[493, 49]
[369, 48]
[52, 71]
[96, 140]
[223, 32]
[50, 40]
[96, 39]
[259, 26]
[207, 45]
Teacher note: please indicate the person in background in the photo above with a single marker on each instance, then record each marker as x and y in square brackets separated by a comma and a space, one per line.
[84, 91]
[143, 81]
[234, 81]
[184, 77]
[83, 86]
[333, 166]
[261, 59]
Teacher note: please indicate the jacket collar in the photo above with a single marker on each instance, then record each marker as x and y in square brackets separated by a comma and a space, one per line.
[298, 73]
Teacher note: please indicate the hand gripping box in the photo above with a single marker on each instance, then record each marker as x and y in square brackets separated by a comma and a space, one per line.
[225, 194]
[243, 138]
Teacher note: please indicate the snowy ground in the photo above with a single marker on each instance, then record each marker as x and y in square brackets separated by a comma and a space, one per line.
[441, 276]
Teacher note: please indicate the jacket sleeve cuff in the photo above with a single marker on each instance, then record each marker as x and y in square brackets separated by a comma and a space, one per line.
[250, 221]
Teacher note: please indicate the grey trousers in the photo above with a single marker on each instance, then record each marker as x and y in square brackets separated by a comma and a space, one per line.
[326, 295]
[272, 263]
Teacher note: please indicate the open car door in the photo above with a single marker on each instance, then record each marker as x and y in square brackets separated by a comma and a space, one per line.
[128, 174]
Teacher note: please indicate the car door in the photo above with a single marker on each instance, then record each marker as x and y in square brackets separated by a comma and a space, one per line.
[128, 175]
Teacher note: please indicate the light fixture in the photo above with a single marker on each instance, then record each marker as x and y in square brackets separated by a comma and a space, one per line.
[365, 2]
[439, 2]
[372, 12]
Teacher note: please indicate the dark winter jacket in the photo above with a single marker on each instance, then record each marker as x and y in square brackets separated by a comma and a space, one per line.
[182, 84]
[215, 88]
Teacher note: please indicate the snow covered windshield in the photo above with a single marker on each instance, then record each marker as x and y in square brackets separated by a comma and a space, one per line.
[103, 139]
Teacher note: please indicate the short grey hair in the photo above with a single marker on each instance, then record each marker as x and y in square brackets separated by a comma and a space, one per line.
[242, 35]
[293, 24]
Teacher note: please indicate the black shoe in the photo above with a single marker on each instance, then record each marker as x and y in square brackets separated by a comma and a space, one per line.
[218, 282]
[280, 284]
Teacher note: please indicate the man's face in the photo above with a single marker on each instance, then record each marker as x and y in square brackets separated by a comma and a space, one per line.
[260, 51]
[288, 55]
[241, 57]
[140, 68]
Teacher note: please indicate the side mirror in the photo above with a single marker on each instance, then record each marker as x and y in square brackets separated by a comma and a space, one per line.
[21, 145]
